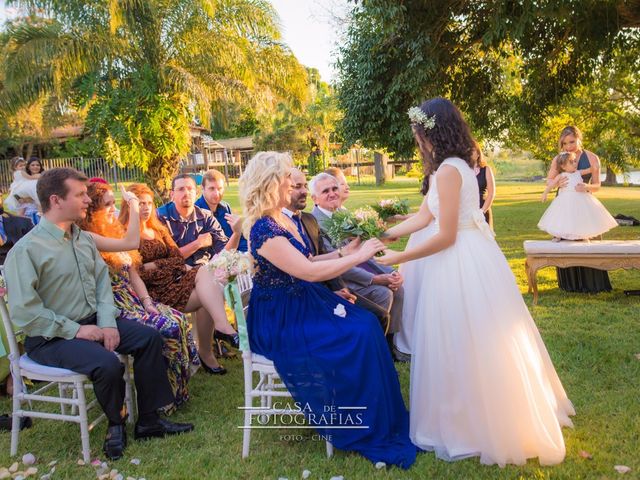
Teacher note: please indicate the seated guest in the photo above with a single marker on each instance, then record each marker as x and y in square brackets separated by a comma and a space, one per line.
[196, 231]
[60, 296]
[310, 232]
[328, 352]
[211, 199]
[378, 283]
[12, 229]
[129, 291]
[339, 175]
[172, 282]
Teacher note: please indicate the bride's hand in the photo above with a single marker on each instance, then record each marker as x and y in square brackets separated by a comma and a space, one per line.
[370, 248]
[352, 247]
[387, 239]
[390, 257]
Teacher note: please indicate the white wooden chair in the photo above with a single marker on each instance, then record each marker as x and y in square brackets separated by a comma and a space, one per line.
[268, 383]
[71, 391]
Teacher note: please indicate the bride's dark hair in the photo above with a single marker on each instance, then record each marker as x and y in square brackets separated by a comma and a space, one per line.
[450, 136]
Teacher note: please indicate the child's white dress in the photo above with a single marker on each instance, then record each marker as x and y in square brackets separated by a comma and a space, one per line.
[576, 215]
[21, 187]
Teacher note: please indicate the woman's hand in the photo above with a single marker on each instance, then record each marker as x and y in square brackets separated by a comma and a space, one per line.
[387, 239]
[129, 197]
[352, 247]
[582, 187]
[149, 266]
[149, 306]
[370, 248]
[390, 257]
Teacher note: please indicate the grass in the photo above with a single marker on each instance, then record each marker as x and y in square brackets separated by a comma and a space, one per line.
[592, 340]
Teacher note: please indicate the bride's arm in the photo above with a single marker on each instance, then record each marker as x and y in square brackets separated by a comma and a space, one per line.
[449, 185]
[413, 223]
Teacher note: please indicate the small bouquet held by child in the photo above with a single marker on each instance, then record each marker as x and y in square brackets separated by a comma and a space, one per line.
[228, 264]
[574, 214]
[391, 207]
[364, 223]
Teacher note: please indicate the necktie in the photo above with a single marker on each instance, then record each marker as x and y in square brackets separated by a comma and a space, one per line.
[298, 221]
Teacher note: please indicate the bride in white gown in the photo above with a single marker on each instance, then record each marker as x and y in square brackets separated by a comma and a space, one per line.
[482, 382]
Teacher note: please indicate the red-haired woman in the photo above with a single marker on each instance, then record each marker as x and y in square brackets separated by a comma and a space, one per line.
[130, 292]
[172, 282]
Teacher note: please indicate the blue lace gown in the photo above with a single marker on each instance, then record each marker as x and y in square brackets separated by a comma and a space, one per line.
[328, 361]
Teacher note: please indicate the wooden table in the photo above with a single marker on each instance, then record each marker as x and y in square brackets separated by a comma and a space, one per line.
[603, 255]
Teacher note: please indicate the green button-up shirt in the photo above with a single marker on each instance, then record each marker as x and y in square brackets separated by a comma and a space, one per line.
[55, 279]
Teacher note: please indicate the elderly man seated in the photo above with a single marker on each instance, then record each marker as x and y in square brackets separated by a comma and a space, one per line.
[310, 232]
[60, 296]
[380, 284]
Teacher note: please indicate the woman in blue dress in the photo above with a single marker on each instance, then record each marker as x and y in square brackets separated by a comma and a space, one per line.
[332, 355]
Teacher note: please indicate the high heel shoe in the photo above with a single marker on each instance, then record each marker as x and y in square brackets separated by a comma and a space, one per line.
[220, 370]
[232, 338]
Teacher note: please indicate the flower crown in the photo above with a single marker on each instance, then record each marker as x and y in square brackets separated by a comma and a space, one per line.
[416, 115]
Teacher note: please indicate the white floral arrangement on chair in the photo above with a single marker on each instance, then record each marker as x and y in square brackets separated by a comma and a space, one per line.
[416, 115]
[228, 264]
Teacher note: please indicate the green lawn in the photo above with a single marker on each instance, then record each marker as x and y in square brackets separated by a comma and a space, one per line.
[591, 338]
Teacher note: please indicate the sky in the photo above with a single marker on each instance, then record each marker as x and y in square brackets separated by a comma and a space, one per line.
[310, 28]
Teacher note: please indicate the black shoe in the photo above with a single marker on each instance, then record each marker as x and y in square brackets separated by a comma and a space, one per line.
[213, 371]
[232, 339]
[6, 422]
[115, 442]
[161, 428]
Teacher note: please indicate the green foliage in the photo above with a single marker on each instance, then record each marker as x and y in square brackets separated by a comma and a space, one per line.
[147, 69]
[305, 132]
[503, 63]
[389, 207]
[607, 110]
[363, 222]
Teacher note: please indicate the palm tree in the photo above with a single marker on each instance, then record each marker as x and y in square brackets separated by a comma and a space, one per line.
[146, 69]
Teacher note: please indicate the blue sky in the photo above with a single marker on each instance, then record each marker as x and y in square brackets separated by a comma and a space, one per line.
[309, 27]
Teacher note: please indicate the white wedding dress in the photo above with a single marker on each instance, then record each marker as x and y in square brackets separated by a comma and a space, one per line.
[482, 382]
[412, 273]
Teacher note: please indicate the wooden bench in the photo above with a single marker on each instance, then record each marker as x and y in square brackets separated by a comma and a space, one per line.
[601, 254]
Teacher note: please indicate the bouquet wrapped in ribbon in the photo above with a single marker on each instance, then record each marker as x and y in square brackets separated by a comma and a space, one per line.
[390, 207]
[364, 223]
[228, 264]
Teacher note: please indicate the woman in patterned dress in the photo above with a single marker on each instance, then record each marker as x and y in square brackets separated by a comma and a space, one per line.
[130, 293]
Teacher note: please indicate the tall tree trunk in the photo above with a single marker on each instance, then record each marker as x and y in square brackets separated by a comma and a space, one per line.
[29, 151]
[611, 177]
[160, 173]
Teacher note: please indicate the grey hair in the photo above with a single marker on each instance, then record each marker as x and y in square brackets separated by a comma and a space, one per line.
[319, 177]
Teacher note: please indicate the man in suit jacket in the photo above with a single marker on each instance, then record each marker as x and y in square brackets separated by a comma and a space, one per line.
[380, 284]
[310, 232]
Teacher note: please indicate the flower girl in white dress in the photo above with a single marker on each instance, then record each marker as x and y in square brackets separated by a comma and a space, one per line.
[574, 214]
[482, 382]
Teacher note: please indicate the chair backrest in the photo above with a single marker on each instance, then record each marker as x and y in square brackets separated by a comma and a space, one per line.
[244, 285]
[14, 351]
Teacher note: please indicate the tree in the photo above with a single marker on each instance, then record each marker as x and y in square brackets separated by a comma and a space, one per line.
[503, 62]
[147, 69]
[607, 110]
[306, 133]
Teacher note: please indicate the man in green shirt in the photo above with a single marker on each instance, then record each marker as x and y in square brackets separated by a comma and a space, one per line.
[60, 296]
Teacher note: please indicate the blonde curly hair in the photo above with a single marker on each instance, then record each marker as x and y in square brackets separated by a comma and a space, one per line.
[259, 186]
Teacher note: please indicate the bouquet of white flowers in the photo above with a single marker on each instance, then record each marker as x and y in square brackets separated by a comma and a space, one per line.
[364, 223]
[228, 264]
[390, 207]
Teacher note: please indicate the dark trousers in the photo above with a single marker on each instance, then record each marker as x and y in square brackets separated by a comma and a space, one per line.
[105, 370]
